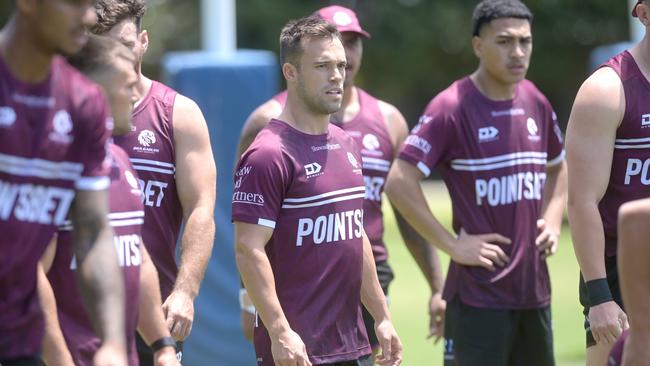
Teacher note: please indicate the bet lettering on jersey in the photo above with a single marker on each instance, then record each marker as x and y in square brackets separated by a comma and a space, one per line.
[153, 192]
[34, 203]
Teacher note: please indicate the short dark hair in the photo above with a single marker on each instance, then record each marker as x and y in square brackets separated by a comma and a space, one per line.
[112, 12]
[99, 54]
[489, 10]
[295, 31]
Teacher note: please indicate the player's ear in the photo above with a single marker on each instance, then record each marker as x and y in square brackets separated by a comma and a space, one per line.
[143, 37]
[643, 13]
[477, 46]
[289, 71]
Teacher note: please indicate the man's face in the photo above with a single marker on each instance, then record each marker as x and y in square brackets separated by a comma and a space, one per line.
[320, 74]
[126, 32]
[62, 25]
[504, 48]
[119, 87]
[353, 53]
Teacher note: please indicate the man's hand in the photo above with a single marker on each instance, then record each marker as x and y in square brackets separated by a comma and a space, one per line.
[166, 357]
[437, 307]
[547, 240]
[289, 350]
[178, 309]
[110, 355]
[389, 343]
[477, 250]
[607, 321]
[635, 352]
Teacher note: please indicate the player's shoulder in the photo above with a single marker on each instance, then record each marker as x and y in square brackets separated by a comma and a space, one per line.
[450, 99]
[261, 116]
[603, 88]
[530, 90]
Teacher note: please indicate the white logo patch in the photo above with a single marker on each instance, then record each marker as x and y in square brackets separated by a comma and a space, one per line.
[146, 138]
[645, 120]
[370, 142]
[62, 124]
[342, 18]
[312, 170]
[489, 133]
[7, 116]
[531, 125]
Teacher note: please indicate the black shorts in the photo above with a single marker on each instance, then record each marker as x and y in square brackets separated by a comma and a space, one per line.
[363, 361]
[145, 353]
[23, 361]
[386, 276]
[612, 279]
[496, 337]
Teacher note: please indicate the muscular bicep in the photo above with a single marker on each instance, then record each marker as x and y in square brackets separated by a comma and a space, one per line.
[596, 114]
[89, 216]
[396, 124]
[251, 237]
[196, 171]
[255, 123]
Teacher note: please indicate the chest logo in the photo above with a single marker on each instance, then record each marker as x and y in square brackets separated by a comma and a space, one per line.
[531, 125]
[146, 138]
[62, 126]
[486, 134]
[370, 142]
[645, 120]
[313, 170]
[7, 116]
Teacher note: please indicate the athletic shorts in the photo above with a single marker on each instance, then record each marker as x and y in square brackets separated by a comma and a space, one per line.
[496, 337]
[612, 279]
[145, 353]
[363, 361]
[385, 274]
[23, 361]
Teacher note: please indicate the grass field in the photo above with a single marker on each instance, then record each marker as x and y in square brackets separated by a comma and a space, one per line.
[409, 294]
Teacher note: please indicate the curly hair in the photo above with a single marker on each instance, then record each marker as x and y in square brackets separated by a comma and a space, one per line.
[489, 10]
[112, 12]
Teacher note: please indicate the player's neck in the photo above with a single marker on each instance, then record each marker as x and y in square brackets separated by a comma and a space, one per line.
[26, 61]
[297, 114]
[492, 88]
[142, 88]
[349, 105]
[641, 54]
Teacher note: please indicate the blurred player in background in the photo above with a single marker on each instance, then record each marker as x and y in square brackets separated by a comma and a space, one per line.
[495, 140]
[170, 149]
[608, 154]
[53, 135]
[379, 129]
[69, 337]
[297, 207]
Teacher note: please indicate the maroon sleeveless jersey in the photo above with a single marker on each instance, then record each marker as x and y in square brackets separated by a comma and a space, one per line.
[52, 141]
[126, 217]
[630, 173]
[309, 190]
[492, 156]
[368, 129]
[151, 150]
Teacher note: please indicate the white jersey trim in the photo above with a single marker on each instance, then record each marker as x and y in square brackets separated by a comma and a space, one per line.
[92, 183]
[125, 215]
[326, 194]
[40, 168]
[267, 223]
[152, 162]
[504, 157]
[325, 202]
[557, 160]
[423, 168]
[522, 161]
[153, 169]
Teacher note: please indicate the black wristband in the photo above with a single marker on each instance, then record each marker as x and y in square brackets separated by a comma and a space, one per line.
[598, 291]
[162, 343]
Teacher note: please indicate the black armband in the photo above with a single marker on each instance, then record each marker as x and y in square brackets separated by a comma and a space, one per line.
[162, 343]
[598, 291]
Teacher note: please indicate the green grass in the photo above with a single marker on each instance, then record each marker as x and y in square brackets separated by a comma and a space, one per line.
[409, 294]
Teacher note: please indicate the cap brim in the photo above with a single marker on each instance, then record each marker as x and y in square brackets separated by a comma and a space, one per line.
[360, 32]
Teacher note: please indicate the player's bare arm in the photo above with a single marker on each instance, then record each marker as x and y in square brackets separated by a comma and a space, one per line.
[151, 321]
[255, 270]
[196, 185]
[404, 191]
[550, 225]
[634, 271]
[596, 114]
[101, 281]
[55, 350]
[256, 122]
[373, 298]
[424, 254]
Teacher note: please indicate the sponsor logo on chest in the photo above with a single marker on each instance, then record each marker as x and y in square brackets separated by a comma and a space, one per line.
[331, 228]
[486, 134]
[645, 121]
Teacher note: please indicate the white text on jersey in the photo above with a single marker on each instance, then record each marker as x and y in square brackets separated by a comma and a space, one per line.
[34, 203]
[331, 228]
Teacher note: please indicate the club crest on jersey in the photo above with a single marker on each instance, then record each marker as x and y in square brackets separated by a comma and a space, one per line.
[146, 138]
[489, 133]
[313, 170]
[7, 116]
[531, 125]
[62, 126]
[355, 164]
[645, 120]
[370, 142]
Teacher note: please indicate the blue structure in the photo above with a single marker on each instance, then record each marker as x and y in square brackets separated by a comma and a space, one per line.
[227, 90]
